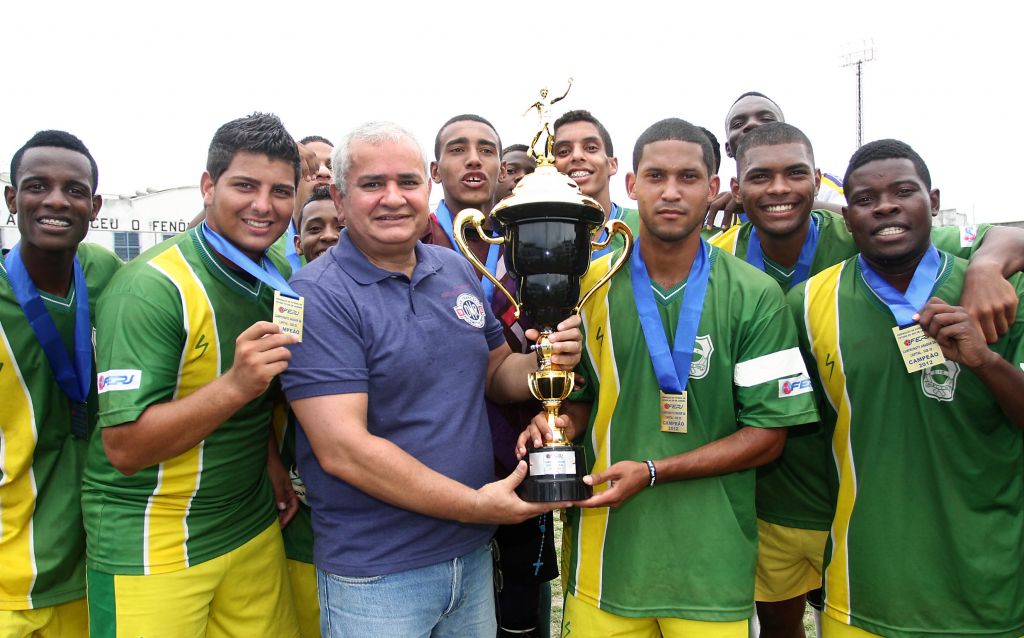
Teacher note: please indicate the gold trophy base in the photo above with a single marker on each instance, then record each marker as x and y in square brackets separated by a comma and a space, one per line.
[557, 469]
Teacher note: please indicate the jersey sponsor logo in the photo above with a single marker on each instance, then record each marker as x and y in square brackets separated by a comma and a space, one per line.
[795, 386]
[939, 382]
[967, 236]
[469, 309]
[112, 380]
[702, 349]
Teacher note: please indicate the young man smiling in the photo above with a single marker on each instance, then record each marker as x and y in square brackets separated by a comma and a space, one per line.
[583, 150]
[926, 442]
[776, 183]
[319, 225]
[749, 111]
[179, 510]
[672, 465]
[49, 284]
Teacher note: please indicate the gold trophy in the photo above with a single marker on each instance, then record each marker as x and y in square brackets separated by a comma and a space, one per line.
[548, 228]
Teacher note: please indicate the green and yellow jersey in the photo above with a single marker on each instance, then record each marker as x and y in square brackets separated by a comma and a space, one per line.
[792, 490]
[927, 469]
[681, 549]
[165, 328]
[42, 541]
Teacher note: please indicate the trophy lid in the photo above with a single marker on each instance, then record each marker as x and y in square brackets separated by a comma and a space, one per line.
[548, 194]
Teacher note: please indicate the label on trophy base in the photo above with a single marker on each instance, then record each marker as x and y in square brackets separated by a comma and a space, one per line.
[549, 462]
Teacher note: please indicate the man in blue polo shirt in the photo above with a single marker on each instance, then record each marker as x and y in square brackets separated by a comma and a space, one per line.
[388, 383]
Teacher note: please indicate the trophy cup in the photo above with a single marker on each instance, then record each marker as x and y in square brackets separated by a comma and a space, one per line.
[548, 227]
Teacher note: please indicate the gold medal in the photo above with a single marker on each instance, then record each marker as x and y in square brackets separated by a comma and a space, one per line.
[673, 412]
[919, 351]
[288, 314]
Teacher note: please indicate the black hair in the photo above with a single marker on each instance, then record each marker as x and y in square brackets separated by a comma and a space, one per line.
[465, 117]
[715, 146]
[755, 94]
[512, 148]
[261, 133]
[674, 128]
[583, 115]
[888, 149]
[316, 138]
[54, 139]
[772, 134]
[320, 193]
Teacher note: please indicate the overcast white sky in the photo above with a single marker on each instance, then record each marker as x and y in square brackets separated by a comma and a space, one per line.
[145, 85]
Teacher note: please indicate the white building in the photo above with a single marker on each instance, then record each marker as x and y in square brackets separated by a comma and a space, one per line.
[128, 224]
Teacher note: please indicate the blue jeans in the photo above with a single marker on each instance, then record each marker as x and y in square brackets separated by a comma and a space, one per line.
[450, 599]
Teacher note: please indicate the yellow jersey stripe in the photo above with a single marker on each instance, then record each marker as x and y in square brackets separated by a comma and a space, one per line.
[593, 522]
[821, 316]
[727, 239]
[18, 436]
[166, 525]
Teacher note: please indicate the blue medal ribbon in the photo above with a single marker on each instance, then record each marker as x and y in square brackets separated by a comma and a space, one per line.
[671, 368]
[267, 272]
[444, 219]
[294, 260]
[615, 214]
[755, 257]
[73, 377]
[904, 306]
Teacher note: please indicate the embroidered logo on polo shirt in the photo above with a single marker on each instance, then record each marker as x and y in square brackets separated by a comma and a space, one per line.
[469, 309]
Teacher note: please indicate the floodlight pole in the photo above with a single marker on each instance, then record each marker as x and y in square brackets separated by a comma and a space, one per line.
[858, 58]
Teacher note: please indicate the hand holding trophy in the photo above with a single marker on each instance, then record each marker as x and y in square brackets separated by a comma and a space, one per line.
[547, 226]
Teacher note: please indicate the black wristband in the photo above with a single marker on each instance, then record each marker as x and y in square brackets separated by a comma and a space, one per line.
[653, 472]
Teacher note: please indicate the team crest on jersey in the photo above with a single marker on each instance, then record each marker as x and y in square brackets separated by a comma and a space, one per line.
[469, 309]
[702, 349]
[939, 382]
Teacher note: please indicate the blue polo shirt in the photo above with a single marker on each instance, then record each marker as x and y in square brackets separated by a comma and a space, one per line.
[419, 349]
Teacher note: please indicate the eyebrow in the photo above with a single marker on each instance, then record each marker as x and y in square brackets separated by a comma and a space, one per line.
[381, 177]
[465, 140]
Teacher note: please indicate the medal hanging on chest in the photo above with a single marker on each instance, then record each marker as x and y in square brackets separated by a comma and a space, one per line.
[671, 366]
[918, 350]
[73, 374]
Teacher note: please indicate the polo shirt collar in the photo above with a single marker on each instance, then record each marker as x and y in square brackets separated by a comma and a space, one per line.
[352, 261]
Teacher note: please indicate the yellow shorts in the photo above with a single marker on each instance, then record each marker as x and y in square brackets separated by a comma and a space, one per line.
[304, 594]
[788, 561]
[583, 620]
[67, 620]
[832, 628]
[245, 592]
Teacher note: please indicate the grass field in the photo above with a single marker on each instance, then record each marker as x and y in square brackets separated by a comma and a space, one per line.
[557, 598]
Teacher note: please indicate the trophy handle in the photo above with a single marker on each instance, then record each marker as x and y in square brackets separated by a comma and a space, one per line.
[613, 227]
[476, 218]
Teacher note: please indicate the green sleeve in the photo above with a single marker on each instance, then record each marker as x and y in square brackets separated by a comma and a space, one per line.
[139, 338]
[962, 241]
[768, 364]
